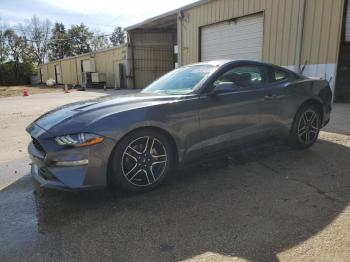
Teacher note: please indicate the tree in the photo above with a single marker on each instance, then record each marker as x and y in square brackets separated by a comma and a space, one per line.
[59, 45]
[3, 47]
[79, 39]
[17, 46]
[37, 33]
[99, 41]
[118, 36]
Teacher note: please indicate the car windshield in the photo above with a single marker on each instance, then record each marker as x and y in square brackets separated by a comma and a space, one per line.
[180, 81]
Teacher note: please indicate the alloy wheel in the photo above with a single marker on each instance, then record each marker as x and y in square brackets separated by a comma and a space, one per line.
[308, 127]
[144, 161]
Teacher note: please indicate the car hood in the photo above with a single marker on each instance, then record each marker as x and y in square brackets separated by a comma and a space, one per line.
[93, 108]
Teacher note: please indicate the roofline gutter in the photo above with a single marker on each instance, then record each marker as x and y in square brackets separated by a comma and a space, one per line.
[180, 16]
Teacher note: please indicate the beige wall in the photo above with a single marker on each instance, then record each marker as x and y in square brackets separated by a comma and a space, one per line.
[105, 62]
[321, 36]
[69, 69]
[108, 62]
[322, 31]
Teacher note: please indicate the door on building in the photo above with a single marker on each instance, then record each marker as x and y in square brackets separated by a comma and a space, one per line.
[342, 89]
[241, 38]
[58, 74]
[41, 75]
[116, 74]
[85, 68]
[119, 74]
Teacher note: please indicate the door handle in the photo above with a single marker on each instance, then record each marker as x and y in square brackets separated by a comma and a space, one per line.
[270, 97]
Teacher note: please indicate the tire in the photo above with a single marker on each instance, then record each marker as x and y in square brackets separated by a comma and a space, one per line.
[141, 161]
[306, 127]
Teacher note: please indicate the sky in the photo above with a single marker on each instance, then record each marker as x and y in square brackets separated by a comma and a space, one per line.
[101, 15]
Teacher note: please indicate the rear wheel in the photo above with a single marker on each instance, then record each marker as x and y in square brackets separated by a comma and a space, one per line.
[306, 127]
[141, 161]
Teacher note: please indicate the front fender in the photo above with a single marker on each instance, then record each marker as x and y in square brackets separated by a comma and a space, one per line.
[179, 120]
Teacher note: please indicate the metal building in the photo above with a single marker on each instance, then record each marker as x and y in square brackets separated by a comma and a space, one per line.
[72, 70]
[309, 36]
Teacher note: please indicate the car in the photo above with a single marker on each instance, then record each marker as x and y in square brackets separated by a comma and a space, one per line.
[134, 141]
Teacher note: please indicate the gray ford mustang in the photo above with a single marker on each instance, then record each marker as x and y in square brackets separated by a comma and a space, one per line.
[134, 141]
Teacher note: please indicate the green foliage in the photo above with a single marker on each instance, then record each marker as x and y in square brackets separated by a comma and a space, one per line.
[59, 45]
[79, 39]
[118, 36]
[3, 47]
[99, 41]
[8, 75]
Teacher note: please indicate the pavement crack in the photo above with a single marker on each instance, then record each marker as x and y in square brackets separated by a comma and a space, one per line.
[320, 191]
[269, 168]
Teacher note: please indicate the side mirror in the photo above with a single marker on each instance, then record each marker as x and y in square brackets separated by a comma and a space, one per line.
[224, 87]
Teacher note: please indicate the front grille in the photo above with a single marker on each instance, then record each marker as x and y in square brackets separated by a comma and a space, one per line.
[38, 146]
[46, 174]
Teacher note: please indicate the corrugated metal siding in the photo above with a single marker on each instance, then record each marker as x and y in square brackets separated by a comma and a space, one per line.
[108, 63]
[321, 36]
[51, 71]
[322, 31]
[153, 56]
[68, 68]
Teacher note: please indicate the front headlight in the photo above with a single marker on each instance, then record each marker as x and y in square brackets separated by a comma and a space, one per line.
[79, 140]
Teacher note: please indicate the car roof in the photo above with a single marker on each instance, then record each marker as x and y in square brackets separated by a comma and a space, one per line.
[224, 62]
[227, 61]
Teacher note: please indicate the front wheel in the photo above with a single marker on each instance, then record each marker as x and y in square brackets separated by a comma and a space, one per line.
[141, 161]
[306, 127]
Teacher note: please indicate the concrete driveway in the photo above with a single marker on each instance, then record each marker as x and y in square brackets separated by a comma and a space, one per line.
[264, 202]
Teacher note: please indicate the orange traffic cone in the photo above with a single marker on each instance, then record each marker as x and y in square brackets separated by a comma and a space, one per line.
[25, 92]
[66, 91]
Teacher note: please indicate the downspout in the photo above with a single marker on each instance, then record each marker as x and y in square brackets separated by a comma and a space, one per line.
[180, 16]
[130, 63]
[133, 63]
[62, 80]
[76, 70]
[299, 35]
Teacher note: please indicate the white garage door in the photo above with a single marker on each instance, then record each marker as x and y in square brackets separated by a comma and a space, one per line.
[239, 39]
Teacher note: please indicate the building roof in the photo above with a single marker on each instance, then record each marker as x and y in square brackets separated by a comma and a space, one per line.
[92, 53]
[168, 16]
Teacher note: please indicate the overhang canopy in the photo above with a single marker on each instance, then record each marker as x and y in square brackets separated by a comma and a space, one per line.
[167, 20]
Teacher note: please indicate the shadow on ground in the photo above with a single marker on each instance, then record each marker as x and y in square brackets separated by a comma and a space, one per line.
[255, 204]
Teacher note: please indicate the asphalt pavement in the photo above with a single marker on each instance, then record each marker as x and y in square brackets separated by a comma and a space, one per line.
[262, 202]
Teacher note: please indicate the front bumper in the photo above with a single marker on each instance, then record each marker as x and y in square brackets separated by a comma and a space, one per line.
[84, 177]
[73, 181]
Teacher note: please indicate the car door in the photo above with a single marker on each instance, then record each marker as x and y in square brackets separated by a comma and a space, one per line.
[232, 116]
[275, 110]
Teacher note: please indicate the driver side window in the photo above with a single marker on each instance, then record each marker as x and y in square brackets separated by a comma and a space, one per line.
[243, 76]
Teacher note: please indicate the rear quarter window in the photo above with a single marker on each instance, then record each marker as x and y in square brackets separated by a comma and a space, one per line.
[278, 75]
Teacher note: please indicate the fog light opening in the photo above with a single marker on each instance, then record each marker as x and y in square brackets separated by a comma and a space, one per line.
[72, 163]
